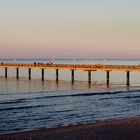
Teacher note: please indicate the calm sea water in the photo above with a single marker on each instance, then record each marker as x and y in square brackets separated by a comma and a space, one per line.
[30, 105]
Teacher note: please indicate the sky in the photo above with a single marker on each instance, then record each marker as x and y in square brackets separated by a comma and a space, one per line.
[70, 29]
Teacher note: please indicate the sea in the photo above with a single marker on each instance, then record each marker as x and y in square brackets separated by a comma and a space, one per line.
[35, 104]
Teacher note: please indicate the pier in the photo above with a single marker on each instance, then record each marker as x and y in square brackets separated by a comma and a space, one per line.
[72, 67]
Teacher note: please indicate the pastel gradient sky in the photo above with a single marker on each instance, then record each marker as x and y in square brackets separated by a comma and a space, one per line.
[69, 28]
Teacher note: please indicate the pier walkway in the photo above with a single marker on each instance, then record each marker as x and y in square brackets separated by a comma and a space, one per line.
[83, 67]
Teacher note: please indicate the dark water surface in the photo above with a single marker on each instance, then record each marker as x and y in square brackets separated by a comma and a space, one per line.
[29, 105]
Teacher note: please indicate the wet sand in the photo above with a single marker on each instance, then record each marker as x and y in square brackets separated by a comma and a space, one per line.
[126, 129]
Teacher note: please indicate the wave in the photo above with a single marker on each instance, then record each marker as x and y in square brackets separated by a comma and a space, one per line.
[105, 93]
[13, 101]
[28, 99]
[122, 97]
[18, 101]
[21, 107]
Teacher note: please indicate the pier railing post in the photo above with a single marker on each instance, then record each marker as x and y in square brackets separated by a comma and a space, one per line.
[5, 72]
[72, 76]
[57, 75]
[42, 75]
[128, 78]
[107, 78]
[17, 75]
[29, 73]
[89, 77]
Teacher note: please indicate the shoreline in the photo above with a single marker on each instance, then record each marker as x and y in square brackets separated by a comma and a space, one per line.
[122, 129]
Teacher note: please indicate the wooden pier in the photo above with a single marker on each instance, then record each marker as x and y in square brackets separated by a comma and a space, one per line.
[72, 67]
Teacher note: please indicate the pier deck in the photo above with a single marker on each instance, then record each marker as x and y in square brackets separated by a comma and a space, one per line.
[83, 67]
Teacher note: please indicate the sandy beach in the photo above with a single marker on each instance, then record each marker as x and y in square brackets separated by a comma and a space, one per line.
[126, 129]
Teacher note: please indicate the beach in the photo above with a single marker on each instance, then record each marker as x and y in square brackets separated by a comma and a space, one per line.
[124, 129]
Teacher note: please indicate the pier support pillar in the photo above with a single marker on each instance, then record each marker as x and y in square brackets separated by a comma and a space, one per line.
[72, 76]
[17, 74]
[42, 75]
[89, 77]
[29, 73]
[57, 75]
[128, 78]
[107, 78]
[5, 72]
